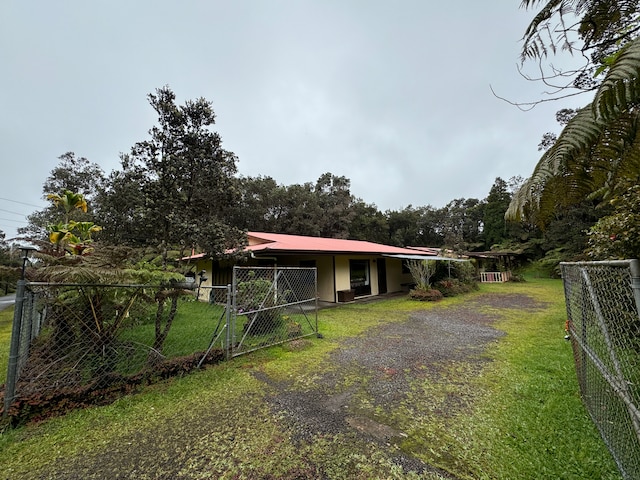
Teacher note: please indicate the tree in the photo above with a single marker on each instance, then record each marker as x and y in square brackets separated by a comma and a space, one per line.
[597, 154]
[70, 236]
[299, 211]
[496, 204]
[76, 174]
[73, 174]
[432, 226]
[320, 209]
[403, 227]
[368, 223]
[121, 206]
[9, 265]
[334, 205]
[462, 228]
[258, 207]
[186, 179]
[594, 30]
[617, 235]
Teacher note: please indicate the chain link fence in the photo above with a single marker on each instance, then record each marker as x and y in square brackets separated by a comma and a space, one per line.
[603, 301]
[272, 305]
[67, 337]
[71, 338]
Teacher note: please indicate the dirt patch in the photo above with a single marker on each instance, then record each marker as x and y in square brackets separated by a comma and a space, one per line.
[379, 367]
[351, 395]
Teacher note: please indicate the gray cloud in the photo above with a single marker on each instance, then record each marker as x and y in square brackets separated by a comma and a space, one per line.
[393, 95]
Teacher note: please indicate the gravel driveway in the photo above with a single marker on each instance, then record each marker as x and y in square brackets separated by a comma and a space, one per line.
[390, 357]
[370, 373]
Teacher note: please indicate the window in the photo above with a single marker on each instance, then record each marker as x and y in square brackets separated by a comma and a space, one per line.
[360, 276]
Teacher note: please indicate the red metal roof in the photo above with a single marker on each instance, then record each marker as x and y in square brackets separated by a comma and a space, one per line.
[261, 242]
[279, 243]
[427, 250]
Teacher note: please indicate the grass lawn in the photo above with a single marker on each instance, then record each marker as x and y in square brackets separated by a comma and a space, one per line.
[526, 420]
[6, 322]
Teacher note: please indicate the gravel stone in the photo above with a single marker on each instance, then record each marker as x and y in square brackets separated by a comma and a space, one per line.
[389, 357]
[372, 371]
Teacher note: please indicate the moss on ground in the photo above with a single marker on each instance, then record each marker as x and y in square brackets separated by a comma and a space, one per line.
[508, 410]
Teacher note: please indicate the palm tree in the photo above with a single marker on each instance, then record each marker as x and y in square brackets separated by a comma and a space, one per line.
[69, 201]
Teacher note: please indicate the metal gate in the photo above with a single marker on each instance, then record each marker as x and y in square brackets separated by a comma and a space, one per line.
[264, 306]
[69, 335]
[603, 302]
[271, 305]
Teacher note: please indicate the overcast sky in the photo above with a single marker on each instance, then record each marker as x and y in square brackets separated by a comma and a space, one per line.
[394, 95]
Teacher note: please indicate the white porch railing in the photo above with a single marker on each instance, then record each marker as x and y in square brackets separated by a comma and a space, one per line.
[495, 277]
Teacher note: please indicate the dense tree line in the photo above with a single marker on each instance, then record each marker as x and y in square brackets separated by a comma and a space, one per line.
[179, 191]
[136, 207]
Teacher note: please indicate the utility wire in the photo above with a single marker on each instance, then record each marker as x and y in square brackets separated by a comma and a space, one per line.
[15, 221]
[15, 213]
[21, 203]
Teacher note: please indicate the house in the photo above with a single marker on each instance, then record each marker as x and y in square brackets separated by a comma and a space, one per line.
[346, 269]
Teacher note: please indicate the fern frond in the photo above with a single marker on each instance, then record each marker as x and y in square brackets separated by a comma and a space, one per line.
[620, 88]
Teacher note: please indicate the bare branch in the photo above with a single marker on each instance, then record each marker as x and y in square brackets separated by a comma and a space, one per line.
[527, 106]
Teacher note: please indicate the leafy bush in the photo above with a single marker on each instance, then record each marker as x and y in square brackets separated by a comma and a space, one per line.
[422, 271]
[425, 295]
[618, 235]
[260, 300]
[452, 287]
[549, 265]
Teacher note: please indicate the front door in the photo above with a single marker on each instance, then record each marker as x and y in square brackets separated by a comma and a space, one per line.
[382, 276]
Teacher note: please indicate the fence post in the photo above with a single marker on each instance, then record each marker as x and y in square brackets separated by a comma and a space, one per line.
[634, 266]
[228, 314]
[14, 349]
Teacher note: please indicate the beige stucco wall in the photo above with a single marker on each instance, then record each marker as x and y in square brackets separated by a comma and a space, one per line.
[343, 274]
[325, 269]
[324, 266]
[395, 277]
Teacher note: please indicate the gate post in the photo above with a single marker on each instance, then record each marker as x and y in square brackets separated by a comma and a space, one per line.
[14, 349]
[227, 345]
[634, 266]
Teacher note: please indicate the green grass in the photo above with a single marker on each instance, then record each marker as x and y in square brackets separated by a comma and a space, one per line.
[6, 322]
[527, 419]
[522, 419]
[190, 331]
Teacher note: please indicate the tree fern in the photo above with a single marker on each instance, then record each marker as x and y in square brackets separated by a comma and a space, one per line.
[621, 86]
[591, 159]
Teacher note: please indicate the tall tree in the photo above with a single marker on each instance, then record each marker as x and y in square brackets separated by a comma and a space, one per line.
[121, 206]
[299, 211]
[404, 227]
[496, 204]
[463, 224]
[334, 202]
[186, 177]
[368, 223]
[258, 207]
[9, 266]
[432, 226]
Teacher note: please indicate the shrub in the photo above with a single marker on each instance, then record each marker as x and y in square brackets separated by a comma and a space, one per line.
[425, 295]
[452, 287]
[261, 301]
